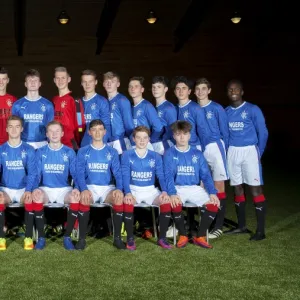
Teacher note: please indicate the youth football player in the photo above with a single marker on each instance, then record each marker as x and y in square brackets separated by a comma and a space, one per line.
[6, 102]
[144, 113]
[35, 110]
[65, 108]
[94, 106]
[55, 162]
[166, 110]
[18, 174]
[248, 136]
[140, 167]
[185, 167]
[120, 113]
[96, 164]
[190, 111]
[216, 147]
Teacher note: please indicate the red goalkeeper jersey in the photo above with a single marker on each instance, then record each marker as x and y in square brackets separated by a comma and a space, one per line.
[6, 103]
[65, 113]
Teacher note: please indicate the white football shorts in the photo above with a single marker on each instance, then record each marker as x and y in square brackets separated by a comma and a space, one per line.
[244, 165]
[100, 192]
[193, 194]
[56, 194]
[145, 194]
[14, 195]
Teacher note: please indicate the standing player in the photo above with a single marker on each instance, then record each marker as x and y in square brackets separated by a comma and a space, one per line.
[18, 174]
[94, 106]
[144, 113]
[185, 168]
[35, 110]
[216, 147]
[6, 102]
[140, 166]
[65, 108]
[55, 162]
[120, 113]
[166, 110]
[248, 136]
[191, 112]
[96, 164]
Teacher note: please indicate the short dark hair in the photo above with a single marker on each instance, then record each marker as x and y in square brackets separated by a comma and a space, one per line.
[61, 69]
[14, 118]
[32, 73]
[95, 123]
[203, 80]
[54, 122]
[141, 129]
[235, 81]
[138, 78]
[182, 79]
[181, 126]
[3, 71]
[89, 72]
[160, 79]
[111, 75]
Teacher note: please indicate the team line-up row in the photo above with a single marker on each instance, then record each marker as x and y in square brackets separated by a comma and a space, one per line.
[239, 132]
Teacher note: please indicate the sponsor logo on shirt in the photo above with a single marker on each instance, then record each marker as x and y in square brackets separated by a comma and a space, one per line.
[236, 125]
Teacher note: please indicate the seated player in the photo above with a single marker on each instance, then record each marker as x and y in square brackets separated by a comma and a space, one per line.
[139, 168]
[55, 162]
[18, 173]
[96, 165]
[185, 168]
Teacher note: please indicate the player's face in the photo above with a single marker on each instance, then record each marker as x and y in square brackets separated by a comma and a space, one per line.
[235, 92]
[88, 83]
[32, 83]
[4, 80]
[182, 91]
[14, 128]
[54, 133]
[111, 85]
[182, 138]
[97, 133]
[202, 91]
[159, 90]
[141, 140]
[135, 89]
[61, 79]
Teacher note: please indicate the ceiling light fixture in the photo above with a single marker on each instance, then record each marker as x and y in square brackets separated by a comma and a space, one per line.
[63, 18]
[151, 19]
[236, 18]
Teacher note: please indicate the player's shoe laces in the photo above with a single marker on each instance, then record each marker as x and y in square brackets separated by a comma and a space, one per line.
[119, 244]
[258, 236]
[2, 244]
[183, 240]
[131, 244]
[202, 242]
[28, 244]
[80, 245]
[41, 243]
[147, 234]
[215, 233]
[164, 243]
[68, 244]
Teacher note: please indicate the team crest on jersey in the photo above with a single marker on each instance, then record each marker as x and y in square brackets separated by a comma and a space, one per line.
[93, 106]
[65, 157]
[244, 115]
[160, 113]
[23, 153]
[209, 115]
[63, 104]
[152, 163]
[195, 159]
[186, 114]
[43, 107]
[108, 156]
[114, 106]
[139, 113]
[9, 102]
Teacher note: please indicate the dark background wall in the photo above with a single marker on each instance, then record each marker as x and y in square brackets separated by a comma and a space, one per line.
[262, 51]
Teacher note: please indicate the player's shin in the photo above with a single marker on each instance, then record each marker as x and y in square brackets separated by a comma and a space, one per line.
[29, 219]
[128, 220]
[164, 219]
[39, 218]
[71, 218]
[260, 209]
[117, 219]
[221, 213]
[179, 219]
[83, 219]
[2, 220]
[240, 207]
[207, 217]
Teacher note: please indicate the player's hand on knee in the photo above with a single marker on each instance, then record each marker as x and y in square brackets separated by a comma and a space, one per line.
[214, 200]
[36, 195]
[26, 198]
[175, 201]
[76, 195]
[86, 197]
[118, 196]
[129, 199]
[1, 198]
[164, 198]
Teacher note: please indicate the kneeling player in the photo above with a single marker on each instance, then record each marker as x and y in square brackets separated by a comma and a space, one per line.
[139, 168]
[55, 162]
[96, 163]
[185, 168]
[17, 163]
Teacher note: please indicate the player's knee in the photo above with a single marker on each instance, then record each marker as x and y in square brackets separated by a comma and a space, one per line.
[118, 201]
[177, 209]
[256, 190]
[211, 207]
[259, 198]
[74, 199]
[238, 190]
